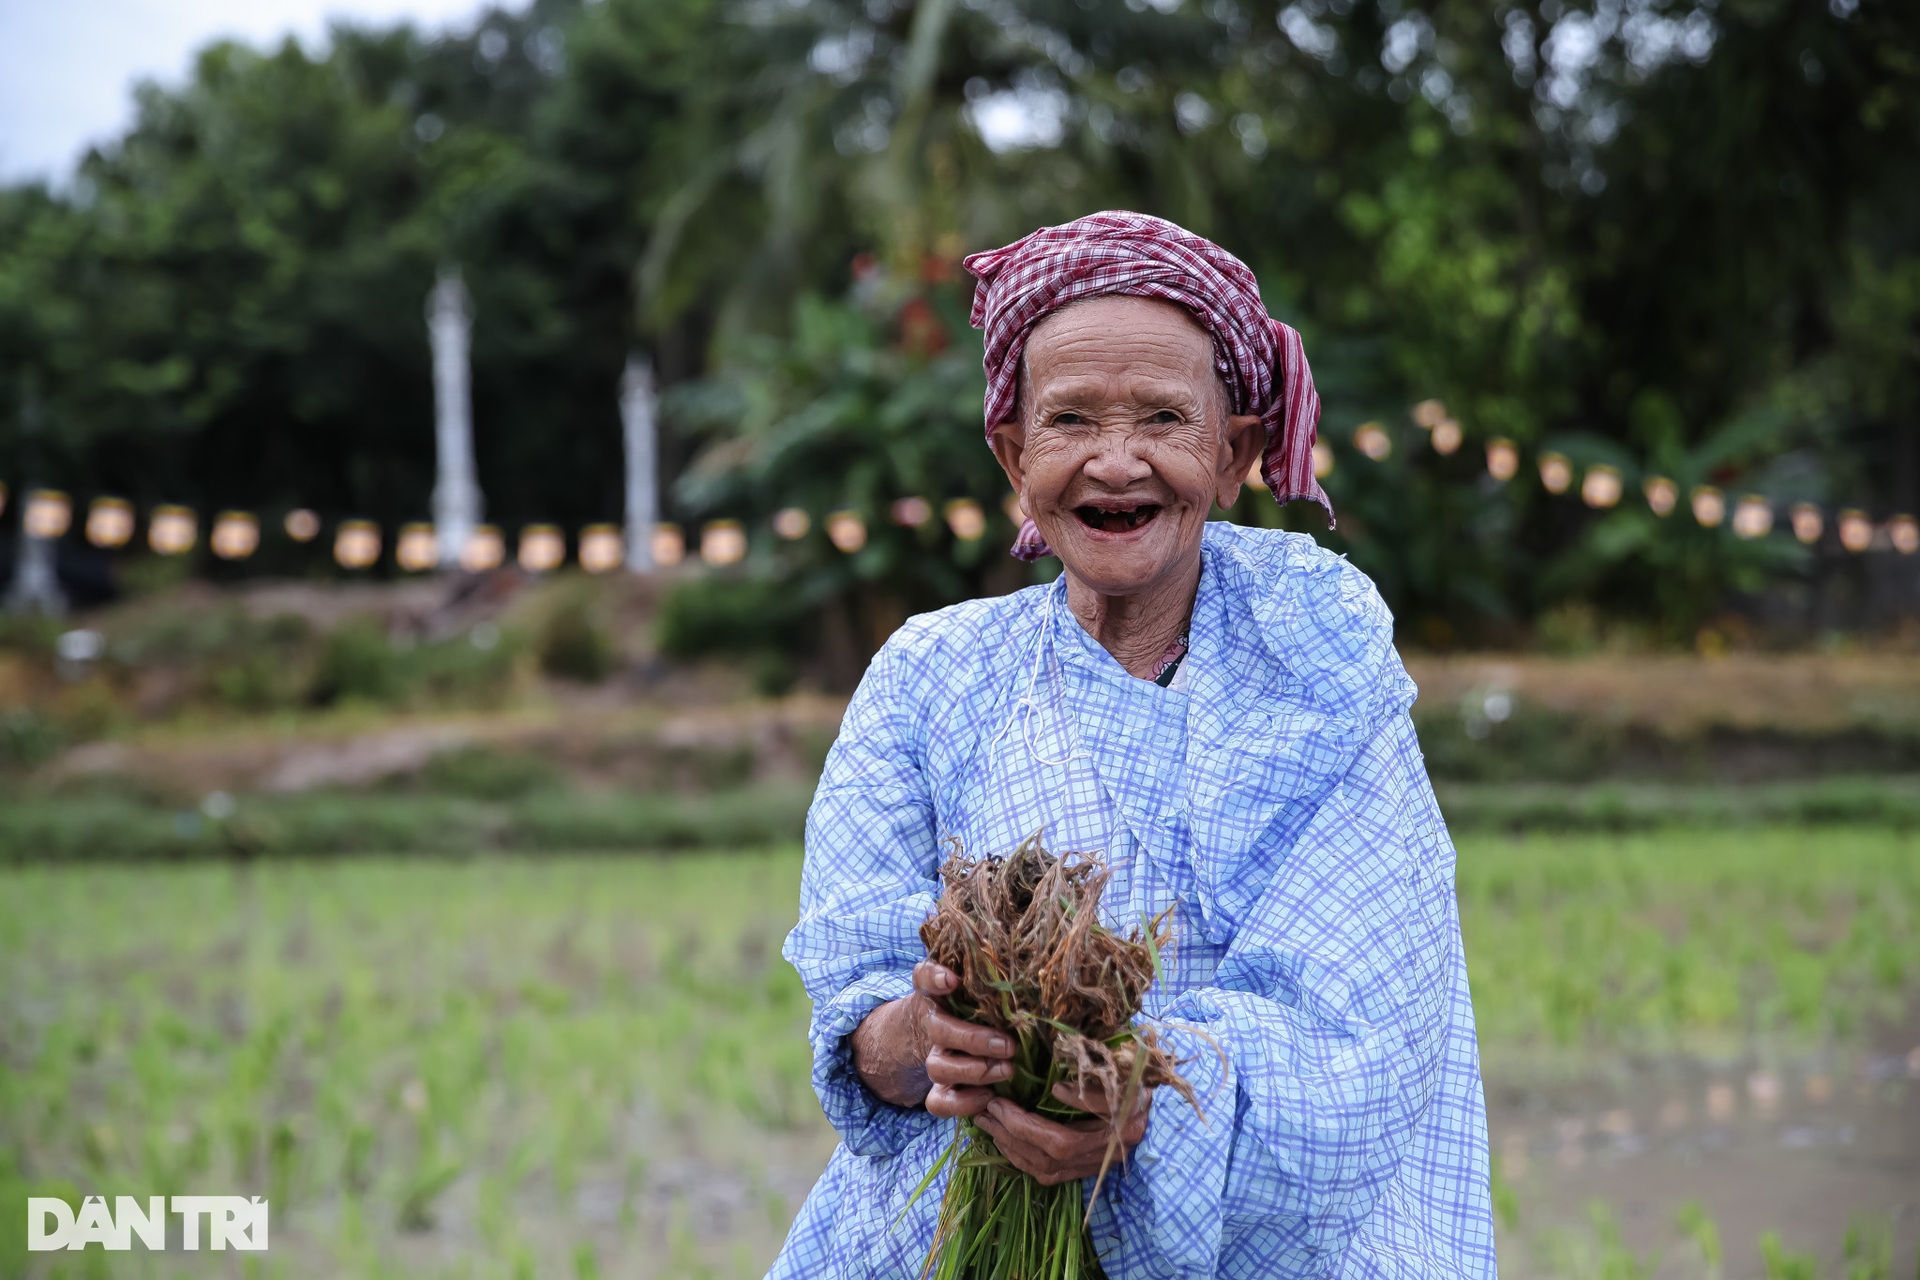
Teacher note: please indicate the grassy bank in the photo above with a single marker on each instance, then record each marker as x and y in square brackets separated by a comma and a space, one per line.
[117, 827]
[1866, 800]
[117, 824]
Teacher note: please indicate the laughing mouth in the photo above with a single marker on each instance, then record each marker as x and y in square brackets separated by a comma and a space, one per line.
[1117, 519]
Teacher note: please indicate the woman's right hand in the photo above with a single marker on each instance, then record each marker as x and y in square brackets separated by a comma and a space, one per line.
[911, 1052]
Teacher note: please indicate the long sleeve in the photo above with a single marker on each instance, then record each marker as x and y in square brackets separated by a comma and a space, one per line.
[869, 882]
[1318, 1051]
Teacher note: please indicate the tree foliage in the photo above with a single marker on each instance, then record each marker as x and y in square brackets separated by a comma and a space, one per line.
[1676, 236]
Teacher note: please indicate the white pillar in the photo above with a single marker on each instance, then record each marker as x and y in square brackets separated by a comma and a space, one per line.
[35, 588]
[456, 493]
[637, 411]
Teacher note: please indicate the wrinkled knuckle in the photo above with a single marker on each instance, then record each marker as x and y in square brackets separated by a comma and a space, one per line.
[949, 1030]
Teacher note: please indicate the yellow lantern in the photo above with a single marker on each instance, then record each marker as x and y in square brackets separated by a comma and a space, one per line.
[1429, 414]
[48, 515]
[847, 531]
[1447, 436]
[1372, 440]
[356, 544]
[1856, 531]
[172, 531]
[1709, 506]
[912, 512]
[1016, 514]
[1601, 488]
[542, 548]
[1556, 472]
[601, 548]
[110, 522]
[1807, 524]
[1663, 495]
[418, 547]
[668, 544]
[1752, 517]
[1503, 460]
[1322, 461]
[792, 523]
[485, 550]
[723, 542]
[235, 536]
[1904, 531]
[302, 525]
[966, 519]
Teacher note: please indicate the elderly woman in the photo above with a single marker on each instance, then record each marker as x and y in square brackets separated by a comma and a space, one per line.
[1220, 712]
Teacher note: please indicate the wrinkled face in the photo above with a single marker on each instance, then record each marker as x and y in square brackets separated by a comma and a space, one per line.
[1124, 443]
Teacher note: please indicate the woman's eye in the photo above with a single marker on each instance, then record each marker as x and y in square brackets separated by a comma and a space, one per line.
[1069, 420]
[1166, 417]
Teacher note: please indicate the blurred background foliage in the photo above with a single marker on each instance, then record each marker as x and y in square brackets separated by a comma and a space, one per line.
[1673, 235]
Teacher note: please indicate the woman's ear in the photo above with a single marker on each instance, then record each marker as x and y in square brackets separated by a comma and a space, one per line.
[1009, 447]
[1246, 440]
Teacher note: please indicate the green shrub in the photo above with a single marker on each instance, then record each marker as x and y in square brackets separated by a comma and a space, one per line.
[575, 644]
[773, 673]
[484, 773]
[1527, 741]
[1570, 630]
[358, 661]
[702, 617]
[143, 575]
[31, 635]
[256, 681]
[476, 669]
[27, 738]
[186, 632]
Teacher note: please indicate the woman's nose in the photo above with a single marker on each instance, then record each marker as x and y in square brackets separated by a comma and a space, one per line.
[1115, 462]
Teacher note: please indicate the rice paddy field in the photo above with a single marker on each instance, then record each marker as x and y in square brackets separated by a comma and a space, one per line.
[1701, 1046]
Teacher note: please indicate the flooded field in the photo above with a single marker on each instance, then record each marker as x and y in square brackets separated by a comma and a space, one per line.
[1700, 1051]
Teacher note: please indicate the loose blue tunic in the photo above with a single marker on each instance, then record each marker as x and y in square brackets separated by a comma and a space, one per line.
[1279, 803]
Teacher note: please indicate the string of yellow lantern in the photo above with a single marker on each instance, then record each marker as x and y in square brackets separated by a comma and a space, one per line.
[235, 535]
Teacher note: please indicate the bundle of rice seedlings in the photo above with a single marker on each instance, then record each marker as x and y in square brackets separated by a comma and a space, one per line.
[1023, 935]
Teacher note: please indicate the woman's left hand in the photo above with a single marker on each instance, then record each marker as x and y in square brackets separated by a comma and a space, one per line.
[1056, 1151]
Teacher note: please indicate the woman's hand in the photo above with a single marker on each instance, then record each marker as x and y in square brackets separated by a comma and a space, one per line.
[911, 1052]
[1056, 1151]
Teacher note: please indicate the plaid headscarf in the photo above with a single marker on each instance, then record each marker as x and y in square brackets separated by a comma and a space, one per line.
[1259, 359]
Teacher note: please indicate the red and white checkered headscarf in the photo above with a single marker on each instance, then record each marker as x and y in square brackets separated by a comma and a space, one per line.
[1259, 359]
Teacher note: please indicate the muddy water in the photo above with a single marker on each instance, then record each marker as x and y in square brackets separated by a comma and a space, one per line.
[1802, 1148]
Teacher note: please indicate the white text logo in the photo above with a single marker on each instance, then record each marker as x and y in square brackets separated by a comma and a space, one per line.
[232, 1222]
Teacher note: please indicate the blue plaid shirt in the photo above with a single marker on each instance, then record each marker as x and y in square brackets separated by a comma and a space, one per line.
[1317, 988]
